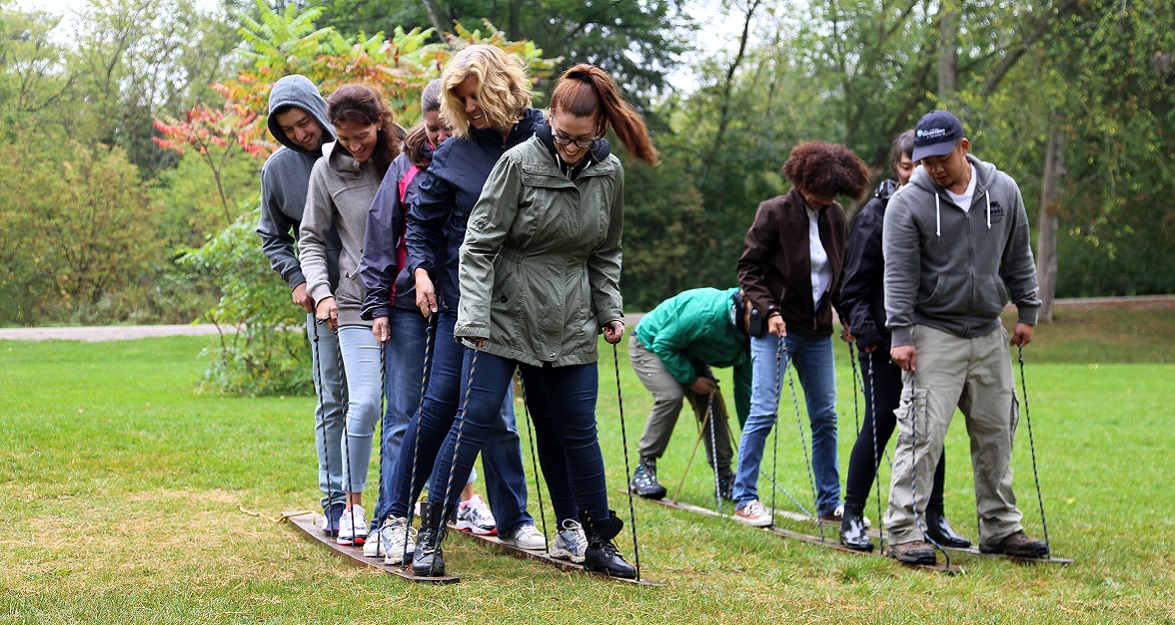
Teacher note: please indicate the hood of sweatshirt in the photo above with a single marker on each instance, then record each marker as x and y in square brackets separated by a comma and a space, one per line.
[297, 90]
[984, 172]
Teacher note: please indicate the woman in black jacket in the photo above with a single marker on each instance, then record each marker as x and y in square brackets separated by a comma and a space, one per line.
[862, 301]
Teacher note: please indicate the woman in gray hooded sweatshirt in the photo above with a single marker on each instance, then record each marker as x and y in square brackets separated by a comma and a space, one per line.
[343, 184]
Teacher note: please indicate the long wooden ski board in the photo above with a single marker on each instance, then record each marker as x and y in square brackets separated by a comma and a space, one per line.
[308, 525]
[546, 558]
[875, 533]
[807, 538]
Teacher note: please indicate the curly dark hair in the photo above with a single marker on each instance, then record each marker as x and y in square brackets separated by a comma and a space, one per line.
[826, 169]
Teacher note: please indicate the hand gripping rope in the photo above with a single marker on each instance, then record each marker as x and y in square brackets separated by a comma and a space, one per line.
[702, 429]
[871, 407]
[636, 554]
[914, 473]
[1032, 447]
[791, 382]
[322, 411]
[534, 462]
[346, 438]
[432, 329]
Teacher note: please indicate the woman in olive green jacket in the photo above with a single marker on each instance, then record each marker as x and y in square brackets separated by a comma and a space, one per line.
[539, 277]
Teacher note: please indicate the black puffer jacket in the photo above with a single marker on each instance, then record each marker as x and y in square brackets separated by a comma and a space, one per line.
[862, 294]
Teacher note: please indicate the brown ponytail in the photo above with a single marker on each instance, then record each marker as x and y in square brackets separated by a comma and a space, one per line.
[586, 90]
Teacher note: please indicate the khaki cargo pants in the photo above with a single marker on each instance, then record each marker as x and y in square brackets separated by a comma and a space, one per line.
[974, 375]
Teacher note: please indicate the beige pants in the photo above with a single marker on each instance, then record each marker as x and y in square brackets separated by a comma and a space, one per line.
[974, 375]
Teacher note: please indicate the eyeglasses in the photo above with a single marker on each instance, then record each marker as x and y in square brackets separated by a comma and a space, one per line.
[563, 141]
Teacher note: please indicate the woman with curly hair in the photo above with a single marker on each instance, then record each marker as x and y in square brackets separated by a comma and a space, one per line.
[790, 269]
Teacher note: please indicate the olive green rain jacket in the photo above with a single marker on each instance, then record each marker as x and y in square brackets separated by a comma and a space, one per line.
[540, 265]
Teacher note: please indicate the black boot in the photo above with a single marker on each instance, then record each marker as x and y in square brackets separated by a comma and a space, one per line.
[429, 558]
[852, 531]
[644, 480]
[601, 555]
[938, 529]
[726, 486]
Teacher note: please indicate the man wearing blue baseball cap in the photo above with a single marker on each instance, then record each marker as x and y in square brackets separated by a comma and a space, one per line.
[956, 245]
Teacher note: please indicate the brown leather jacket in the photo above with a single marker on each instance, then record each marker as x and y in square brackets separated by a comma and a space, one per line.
[775, 270]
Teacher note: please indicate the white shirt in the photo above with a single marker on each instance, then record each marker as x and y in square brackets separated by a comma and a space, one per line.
[821, 268]
[964, 201]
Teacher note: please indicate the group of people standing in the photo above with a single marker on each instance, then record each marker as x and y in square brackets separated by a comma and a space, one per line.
[927, 269]
[433, 264]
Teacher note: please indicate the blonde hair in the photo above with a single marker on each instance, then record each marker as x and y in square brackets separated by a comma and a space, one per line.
[502, 89]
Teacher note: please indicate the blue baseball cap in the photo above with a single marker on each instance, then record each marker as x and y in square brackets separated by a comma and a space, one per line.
[936, 134]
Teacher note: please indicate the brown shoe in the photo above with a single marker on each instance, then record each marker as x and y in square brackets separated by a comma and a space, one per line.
[913, 552]
[1019, 545]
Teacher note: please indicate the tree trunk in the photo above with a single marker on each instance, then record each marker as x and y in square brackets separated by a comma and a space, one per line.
[436, 16]
[727, 88]
[948, 51]
[1046, 247]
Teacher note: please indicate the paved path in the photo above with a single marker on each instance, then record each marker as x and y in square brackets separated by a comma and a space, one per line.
[126, 333]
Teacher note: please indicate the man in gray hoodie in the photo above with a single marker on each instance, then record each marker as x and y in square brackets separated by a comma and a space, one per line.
[297, 119]
[956, 244]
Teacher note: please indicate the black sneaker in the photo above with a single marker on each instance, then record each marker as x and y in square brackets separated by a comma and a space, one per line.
[644, 480]
[726, 486]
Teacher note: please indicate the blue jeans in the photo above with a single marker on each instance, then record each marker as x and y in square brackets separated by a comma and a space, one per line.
[328, 411]
[811, 356]
[502, 460]
[562, 403]
[362, 356]
[403, 382]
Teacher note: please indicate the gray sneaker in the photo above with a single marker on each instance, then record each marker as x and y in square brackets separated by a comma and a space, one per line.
[570, 543]
[527, 537]
[395, 537]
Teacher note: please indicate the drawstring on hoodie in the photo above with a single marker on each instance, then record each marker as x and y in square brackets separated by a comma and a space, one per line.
[938, 213]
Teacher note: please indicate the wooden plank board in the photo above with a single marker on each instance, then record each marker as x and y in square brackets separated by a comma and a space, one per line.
[546, 558]
[807, 538]
[308, 525]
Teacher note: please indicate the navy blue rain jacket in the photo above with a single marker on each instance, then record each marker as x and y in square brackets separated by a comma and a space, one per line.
[447, 191]
[379, 265]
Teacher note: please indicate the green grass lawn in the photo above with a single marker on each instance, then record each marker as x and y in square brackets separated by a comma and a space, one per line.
[125, 497]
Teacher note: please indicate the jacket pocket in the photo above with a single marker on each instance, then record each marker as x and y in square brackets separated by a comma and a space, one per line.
[350, 291]
[993, 296]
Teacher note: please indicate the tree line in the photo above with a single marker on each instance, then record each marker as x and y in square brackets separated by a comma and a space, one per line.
[132, 138]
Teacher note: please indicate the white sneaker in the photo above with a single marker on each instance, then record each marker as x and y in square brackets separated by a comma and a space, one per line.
[474, 516]
[753, 514]
[526, 537]
[394, 537]
[352, 526]
[570, 543]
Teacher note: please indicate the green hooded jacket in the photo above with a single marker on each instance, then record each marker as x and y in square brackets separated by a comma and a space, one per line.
[540, 265]
[695, 329]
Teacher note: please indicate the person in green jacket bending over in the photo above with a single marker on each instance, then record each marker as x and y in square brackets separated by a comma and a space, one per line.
[672, 350]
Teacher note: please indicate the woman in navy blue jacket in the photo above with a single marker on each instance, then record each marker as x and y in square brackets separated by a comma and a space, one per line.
[862, 300]
[486, 100]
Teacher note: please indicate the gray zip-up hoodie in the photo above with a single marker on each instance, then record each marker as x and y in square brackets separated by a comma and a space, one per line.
[952, 269]
[340, 195]
[285, 178]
